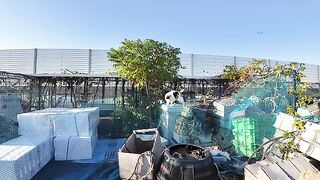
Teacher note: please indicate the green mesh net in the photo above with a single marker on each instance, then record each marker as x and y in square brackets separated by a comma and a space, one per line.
[196, 121]
[256, 106]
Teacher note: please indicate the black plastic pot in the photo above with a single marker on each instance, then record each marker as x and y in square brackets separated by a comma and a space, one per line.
[183, 162]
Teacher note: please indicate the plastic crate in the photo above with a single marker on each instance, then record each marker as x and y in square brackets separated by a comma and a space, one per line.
[247, 150]
[249, 132]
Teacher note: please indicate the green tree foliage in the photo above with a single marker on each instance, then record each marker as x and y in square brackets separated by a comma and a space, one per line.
[147, 64]
[255, 70]
[134, 113]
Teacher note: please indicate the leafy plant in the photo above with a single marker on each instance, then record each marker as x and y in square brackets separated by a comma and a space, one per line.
[147, 64]
[134, 113]
[255, 70]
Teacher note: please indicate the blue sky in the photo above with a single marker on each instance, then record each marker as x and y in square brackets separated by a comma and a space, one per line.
[275, 29]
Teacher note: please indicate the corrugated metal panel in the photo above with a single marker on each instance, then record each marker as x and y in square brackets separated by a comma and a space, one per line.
[311, 73]
[99, 62]
[185, 60]
[274, 62]
[76, 60]
[50, 61]
[17, 60]
[58, 60]
[242, 61]
[209, 65]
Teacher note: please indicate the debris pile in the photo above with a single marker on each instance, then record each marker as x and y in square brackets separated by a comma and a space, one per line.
[251, 112]
[196, 125]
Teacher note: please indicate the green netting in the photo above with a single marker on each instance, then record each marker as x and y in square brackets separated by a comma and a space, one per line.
[269, 95]
[256, 106]
[196, 122]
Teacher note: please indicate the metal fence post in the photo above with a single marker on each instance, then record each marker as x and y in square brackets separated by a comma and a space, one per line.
[318, 68]
[90, 61]
[235, 61]
[35, 61]
[192, 66]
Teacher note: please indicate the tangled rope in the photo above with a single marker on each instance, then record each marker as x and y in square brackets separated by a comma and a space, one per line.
[150, 161]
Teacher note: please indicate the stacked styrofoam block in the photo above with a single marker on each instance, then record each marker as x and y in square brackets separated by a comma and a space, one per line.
[74, 147]
[38, 123]
[168, 118]
[284, 122]
[303, 112]
[23, 157]
[224, 108]
[309, 140]
[74, 131]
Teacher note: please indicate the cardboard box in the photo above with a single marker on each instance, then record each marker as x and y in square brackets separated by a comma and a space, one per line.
[134, 151]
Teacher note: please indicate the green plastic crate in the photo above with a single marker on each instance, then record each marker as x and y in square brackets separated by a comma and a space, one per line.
[249, 132]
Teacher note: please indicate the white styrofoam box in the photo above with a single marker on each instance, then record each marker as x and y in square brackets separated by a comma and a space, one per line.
[272, 171]
[43, 148]
[64, 124]
[27, 158]
[311, 133]
[45, 154]
[237, 114]
[81, 147]
[226, 106]
[87, 120]
[59, 122]
[285, 122]
[74, 148]
[60, 144]
[310, 149]
[251, 171]
[38, 123]
[6, 149]
[168, 118]
[14, 164]
[35, 125]
[303, 112]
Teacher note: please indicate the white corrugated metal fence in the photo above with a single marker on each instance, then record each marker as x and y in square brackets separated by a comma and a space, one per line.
[94, 61]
